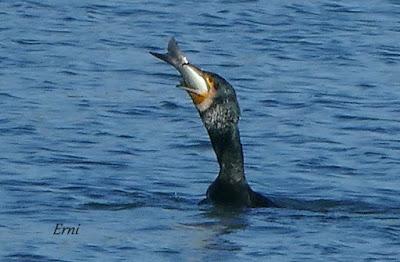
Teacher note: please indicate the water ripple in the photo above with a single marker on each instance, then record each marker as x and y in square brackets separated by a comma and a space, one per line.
[93, 131]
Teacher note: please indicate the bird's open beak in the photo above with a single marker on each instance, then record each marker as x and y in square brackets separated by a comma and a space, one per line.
[199, 84]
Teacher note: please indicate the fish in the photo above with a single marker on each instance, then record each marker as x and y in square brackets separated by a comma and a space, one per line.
[193, 78]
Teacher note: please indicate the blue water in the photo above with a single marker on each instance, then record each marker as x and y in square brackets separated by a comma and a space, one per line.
[94, 134]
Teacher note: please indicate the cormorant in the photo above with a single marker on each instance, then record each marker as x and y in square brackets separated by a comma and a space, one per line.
[216, 102]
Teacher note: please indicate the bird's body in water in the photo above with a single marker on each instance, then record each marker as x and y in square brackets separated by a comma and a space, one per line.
[216, 102]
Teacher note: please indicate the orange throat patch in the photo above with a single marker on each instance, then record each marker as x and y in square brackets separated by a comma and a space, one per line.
[204, 101]
[197, 99]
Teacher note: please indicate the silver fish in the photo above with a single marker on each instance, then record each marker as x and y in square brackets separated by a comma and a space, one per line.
[193, 77]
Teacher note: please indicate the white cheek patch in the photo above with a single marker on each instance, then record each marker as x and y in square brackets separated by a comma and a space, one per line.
[208, 101]
[203, 106]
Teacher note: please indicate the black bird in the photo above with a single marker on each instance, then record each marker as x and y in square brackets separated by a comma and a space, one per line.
[216, 102]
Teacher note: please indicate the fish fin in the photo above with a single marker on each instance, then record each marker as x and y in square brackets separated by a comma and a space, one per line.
[164, 57]
[175, 57]
[174, 51]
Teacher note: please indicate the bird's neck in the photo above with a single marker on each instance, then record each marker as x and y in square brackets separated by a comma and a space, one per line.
[228, 148]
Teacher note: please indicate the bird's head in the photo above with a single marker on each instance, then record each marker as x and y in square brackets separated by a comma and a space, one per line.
[216, 102]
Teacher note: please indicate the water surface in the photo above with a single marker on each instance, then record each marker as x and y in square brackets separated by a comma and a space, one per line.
[94, 133]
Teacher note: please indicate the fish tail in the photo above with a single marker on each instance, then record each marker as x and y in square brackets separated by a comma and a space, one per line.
[175, 57]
